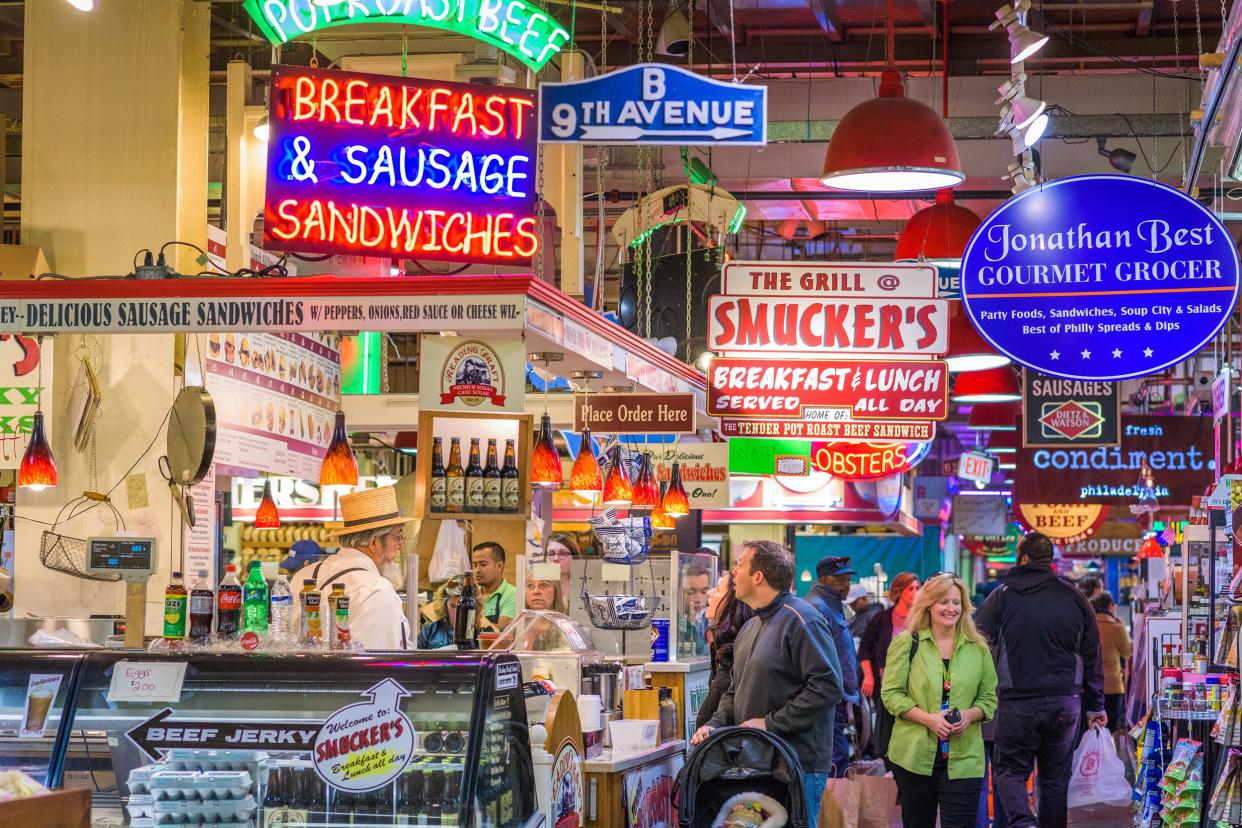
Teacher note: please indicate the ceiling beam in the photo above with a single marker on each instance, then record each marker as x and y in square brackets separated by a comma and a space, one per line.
[825, 12]
[1142, 26]
[1162, 125]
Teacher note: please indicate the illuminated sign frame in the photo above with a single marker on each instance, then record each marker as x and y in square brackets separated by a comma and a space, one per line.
[516, 27]
[866, 461]
[376, 165]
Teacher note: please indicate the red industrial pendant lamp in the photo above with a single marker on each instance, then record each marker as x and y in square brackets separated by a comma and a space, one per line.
[993, 385]
[939, 233]
[994, 417]
[891, 143]
[968, 350]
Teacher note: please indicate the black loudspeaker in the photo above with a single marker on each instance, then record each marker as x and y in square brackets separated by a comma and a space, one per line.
[668, 296]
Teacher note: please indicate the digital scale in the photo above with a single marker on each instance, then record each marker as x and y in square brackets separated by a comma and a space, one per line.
[134, 560]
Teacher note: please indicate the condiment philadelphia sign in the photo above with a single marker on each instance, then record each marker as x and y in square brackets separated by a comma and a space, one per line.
[652, 103]
[1100, 277]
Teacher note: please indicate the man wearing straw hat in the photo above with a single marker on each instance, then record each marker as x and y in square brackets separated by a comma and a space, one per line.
[370, 541]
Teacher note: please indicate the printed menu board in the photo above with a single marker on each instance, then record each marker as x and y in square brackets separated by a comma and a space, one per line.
[276, 396]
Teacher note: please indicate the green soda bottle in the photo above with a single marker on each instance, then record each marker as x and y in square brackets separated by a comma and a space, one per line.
[254, 601]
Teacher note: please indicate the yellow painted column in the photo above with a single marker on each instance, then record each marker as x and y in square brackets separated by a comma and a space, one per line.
[563, 185]
[114, 160]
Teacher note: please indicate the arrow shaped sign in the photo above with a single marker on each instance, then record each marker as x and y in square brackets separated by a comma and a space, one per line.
[386, 694]
[162, 732]
[653, 103]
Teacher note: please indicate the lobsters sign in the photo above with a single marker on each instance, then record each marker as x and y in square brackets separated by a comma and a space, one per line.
[1100, 277]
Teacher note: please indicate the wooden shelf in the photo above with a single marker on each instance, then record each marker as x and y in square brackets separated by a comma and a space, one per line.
[497, 516]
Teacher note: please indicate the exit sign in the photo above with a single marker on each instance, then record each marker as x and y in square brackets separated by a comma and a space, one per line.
[976, 467]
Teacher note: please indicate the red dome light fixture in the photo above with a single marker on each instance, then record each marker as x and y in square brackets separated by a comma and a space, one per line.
[992, 386]
[994, 417]
[968, 350]
[939, 233]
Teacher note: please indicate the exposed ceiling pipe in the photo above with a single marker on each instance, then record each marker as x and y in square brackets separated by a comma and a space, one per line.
[1216, 95]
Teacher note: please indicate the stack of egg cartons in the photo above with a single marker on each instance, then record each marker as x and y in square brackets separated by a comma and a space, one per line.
[196, 787]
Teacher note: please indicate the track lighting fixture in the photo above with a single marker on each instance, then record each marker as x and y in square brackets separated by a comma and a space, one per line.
[1023, 42]
[1121, 160]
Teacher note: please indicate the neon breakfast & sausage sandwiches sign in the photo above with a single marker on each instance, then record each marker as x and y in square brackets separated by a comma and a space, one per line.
[375, 165]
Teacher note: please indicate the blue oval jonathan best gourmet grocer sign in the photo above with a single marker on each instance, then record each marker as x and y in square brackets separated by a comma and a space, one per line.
[1100, 277]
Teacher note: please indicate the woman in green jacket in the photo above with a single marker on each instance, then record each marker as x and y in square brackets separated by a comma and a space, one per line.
[939, 695]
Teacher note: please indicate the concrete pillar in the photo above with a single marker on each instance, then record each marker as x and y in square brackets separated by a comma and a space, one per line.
[114, 160]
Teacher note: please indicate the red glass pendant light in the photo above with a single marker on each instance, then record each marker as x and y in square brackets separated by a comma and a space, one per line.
[646, 489]
[267, 516]
[339, 468]
[675, 502]
[618, 491]
[661, 519]
[585, 478]
[545, 460]
[38, 468]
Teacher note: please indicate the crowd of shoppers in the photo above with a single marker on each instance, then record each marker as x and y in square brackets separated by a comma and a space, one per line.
[1037, 657]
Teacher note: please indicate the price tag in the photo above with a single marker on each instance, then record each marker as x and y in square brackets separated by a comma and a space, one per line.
[142, 681]
[614, 572]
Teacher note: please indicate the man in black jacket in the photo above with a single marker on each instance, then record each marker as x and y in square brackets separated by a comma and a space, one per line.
[786, 677]
[1047, 651]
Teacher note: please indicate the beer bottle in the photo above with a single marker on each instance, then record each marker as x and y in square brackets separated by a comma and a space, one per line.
[229, 605]
[509, 483]
[456, 488]
[202, 609]
[338, 592]
[465, 624]
[274, 812]
[474, 480]
[439, 480]
[312, 630]
[491, 481]
[175, 602]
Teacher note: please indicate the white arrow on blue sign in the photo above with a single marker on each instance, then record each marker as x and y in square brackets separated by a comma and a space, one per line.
[652, 103]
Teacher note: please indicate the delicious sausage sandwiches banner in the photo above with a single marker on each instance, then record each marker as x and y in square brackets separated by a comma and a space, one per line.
[1100, 277]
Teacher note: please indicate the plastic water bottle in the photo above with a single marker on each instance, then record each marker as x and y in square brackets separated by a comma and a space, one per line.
[254, 601]
[282, 608]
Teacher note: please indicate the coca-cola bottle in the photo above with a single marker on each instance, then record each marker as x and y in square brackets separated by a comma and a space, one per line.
[229, 605]
[202, 609]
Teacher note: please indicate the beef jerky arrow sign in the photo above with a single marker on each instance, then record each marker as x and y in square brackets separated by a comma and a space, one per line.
[161, 732]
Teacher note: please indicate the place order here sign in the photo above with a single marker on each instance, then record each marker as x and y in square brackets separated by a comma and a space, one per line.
[886, 315]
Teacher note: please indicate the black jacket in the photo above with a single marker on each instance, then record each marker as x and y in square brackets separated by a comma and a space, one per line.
[873, 646]
[785, 671]
[1044, 638]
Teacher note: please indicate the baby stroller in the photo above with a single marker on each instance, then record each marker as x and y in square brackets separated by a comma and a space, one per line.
[736, 760]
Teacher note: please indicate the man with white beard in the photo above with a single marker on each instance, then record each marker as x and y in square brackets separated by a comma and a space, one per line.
[371, 540]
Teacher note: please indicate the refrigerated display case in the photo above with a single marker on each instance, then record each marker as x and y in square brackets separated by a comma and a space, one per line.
[375, 739]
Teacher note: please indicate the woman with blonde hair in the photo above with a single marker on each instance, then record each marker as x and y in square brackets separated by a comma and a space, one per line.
[940, 684]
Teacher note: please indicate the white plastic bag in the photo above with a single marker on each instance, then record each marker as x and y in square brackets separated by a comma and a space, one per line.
[1099, 776]
[449, 558]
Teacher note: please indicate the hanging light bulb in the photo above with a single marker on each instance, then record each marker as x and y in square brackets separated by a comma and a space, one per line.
[585, 477]
[38, 469]
[661, 519]
[339, 468]
[675, 501]
[618, 491]
[646, 490]
[545, 460]
[267, 516]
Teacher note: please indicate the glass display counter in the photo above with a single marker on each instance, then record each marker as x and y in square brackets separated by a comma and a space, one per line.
[375, 739]
[552, 646]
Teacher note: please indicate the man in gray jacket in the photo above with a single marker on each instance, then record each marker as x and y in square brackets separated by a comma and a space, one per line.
[786, 676]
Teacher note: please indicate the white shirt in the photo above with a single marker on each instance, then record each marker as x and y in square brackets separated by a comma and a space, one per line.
[376, 617]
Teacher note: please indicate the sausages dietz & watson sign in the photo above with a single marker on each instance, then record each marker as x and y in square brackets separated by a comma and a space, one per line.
[885, 314]
[376, 165]
[1100, 277]
[1178, 449]
[1061, 412]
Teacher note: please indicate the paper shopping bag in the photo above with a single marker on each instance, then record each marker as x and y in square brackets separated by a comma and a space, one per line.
[840, 806]
[877, 801]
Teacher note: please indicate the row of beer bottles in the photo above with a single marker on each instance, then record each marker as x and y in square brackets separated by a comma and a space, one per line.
[476, 489]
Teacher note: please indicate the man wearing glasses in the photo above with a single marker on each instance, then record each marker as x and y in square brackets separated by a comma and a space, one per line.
[366, 563]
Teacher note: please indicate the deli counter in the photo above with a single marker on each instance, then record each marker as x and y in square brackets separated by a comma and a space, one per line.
[231, 739]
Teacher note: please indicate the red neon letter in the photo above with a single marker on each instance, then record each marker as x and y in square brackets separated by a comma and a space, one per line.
[439, 103]
[353, 100]
[284, 210]
[303, 99]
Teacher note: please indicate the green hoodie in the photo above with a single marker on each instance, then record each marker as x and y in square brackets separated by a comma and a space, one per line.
[919, 684]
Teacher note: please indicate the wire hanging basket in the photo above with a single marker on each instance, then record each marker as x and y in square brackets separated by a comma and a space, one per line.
[621, 612]
[67, 554]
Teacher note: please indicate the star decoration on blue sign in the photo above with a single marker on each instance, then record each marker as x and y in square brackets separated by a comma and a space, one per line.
[1147, 352]
[1086, 354]
[1116, 353]
[1054, 355]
